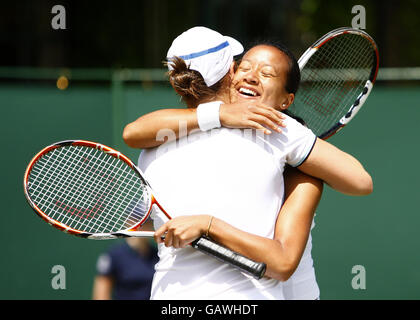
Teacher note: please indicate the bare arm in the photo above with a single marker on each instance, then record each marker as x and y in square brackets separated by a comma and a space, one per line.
[144, 132]
[102, 288]
[176, 123]
[281, 254]
[338, 169]
[294, 222]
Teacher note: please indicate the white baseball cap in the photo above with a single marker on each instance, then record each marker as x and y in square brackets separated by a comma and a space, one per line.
[205, 51]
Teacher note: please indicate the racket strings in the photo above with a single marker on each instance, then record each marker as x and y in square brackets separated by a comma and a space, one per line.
[335, 53]
[88, 190]
[338, 56]
[72, 209]
[68, 203]
[332, 79]
[53, 169]
[72, 201]
[53, 173]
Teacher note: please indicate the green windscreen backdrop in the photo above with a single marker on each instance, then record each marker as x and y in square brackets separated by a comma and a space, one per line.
[377, 232]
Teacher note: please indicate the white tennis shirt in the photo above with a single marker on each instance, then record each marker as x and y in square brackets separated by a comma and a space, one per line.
[235, 175]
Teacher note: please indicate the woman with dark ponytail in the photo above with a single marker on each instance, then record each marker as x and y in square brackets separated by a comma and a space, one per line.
[190, 85]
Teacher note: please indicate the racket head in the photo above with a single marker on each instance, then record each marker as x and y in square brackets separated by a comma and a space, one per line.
[87, 189]
[337, 75]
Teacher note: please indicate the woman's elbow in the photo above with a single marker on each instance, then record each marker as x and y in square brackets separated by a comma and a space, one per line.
[360, 184]
[289, 270]
[130, 138]
[286, 274]
[282, 271]
[364, 185]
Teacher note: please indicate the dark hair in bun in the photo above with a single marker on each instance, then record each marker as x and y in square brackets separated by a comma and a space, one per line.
[189, 84]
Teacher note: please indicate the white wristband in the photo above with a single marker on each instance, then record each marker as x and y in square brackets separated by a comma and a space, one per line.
[208, 115]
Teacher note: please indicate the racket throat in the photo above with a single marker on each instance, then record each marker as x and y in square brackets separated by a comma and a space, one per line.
[121, 234]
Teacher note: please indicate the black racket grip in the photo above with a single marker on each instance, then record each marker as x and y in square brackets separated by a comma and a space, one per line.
[205, 245]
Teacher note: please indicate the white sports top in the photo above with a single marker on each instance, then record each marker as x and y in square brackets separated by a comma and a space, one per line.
[235, 175]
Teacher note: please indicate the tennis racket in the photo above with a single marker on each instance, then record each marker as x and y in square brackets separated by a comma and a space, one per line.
[337, 75]
[93, 191]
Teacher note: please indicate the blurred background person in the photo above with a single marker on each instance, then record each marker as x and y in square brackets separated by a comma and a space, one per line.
[125, 271]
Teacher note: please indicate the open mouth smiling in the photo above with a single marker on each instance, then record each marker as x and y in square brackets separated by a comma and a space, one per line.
[248, 92]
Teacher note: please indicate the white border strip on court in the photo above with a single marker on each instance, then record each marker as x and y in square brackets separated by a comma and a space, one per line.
[155, 75]
[398, 74]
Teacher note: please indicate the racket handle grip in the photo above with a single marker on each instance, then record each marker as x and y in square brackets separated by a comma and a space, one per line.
[205, 245]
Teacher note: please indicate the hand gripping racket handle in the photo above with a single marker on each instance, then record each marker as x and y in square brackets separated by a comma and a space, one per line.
[205, 245]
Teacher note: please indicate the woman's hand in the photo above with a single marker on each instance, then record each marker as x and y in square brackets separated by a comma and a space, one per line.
[179, 232]
[251, 115]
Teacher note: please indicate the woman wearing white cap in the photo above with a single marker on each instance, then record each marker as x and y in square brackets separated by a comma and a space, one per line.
[210, 169]
[211, 55]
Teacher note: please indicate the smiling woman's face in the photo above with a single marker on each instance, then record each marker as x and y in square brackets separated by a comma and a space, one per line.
[261, 77]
